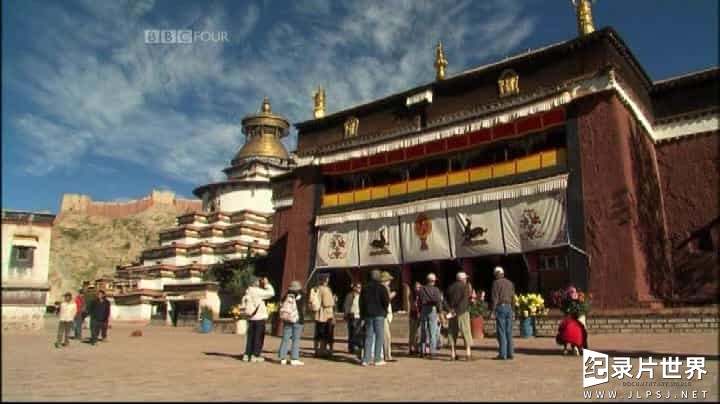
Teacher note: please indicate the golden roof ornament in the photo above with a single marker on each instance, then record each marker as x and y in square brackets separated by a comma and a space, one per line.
[583, 9]
[263, 131]
[319, 97]
[265, 108]
[441, 62]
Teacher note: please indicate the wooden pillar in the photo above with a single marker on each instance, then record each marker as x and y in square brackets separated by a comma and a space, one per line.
[533, 275]
[406, 286]
[467, 267]
[355, 275]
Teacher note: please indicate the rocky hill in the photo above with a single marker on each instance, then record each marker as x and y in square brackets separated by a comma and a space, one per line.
[87, 245]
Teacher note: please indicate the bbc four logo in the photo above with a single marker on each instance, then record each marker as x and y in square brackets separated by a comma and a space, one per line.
[183, 36]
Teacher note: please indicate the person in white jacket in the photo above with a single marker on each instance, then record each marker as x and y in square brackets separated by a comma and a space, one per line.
[68, 309]
[254, 302]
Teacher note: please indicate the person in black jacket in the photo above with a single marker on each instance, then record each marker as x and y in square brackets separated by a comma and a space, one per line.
[99, 311]
[374, 301]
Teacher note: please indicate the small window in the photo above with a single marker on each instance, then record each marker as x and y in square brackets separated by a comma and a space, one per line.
[552, 262]
[23, 256]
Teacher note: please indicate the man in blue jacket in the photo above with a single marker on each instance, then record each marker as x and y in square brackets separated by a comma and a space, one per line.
[374, 301]
[99, 311]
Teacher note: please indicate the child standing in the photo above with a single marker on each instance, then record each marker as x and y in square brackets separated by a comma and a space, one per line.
[68, 310]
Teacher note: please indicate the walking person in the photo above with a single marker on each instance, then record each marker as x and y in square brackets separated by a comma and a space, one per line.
[79, 314]
[68, 310]
[503, 292]
[324, 318]
[99, 310]
[458, 301]
[386, 279]
[374, 300]
[351, 309]
[254, 302]
[430, 301]
[414, 319]
[293, 318]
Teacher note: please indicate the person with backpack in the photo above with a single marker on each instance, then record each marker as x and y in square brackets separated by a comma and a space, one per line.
[324, 302]
[254, 302]
[291, 314]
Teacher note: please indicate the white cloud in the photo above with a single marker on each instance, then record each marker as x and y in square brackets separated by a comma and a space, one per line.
[175, 109]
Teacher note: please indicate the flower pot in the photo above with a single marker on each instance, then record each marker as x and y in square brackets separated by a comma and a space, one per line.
[478, 327]
[206, 325]
[527, 327]
[241, 326]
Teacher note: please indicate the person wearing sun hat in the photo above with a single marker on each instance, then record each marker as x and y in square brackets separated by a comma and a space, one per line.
[386, 279]
[503, 292]
[430, 301]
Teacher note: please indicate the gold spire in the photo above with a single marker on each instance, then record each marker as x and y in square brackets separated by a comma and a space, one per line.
[319, 96]
[440, 62]
[266, 109]
[583, 9]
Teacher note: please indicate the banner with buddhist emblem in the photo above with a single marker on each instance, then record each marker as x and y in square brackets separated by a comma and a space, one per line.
[535, 222]
[337, 246]
[424, 236]
[379, 242]
[475, 230]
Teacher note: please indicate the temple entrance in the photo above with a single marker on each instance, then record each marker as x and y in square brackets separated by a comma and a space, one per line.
[444, 270]
[515, 268]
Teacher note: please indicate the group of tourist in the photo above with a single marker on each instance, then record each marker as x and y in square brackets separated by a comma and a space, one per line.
[368, 315]
[73, 312]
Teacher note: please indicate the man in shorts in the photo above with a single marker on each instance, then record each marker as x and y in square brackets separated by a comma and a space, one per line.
[458, 301]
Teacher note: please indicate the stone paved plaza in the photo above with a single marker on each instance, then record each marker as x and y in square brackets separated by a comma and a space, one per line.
[182, 365]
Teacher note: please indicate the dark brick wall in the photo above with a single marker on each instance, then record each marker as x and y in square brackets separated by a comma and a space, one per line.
[690, 179]
[614, 226]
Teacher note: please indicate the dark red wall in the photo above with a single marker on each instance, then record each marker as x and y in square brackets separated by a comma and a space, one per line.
[291, 247]
[621, 204]
[690, 178]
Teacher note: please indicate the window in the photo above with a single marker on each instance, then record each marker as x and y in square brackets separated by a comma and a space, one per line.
[23, 256]
[552, 262]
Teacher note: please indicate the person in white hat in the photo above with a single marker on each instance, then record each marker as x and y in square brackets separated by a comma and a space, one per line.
[503, 292]
[430, 300]
[458, 300]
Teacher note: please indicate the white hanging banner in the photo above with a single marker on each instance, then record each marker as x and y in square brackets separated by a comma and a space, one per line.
[476, 230]
[424, 236]
[535, 222]
[337, 246]
[379, 242]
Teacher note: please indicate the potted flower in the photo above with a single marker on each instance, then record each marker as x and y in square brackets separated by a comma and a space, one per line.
[478, 310]
[576, 303]
[527, 308]
[237, 313]
[206, 319]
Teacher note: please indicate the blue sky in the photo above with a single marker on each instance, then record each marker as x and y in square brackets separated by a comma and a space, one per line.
[89, 107]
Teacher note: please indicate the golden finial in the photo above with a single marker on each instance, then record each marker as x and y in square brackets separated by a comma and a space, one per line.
[583, 9]
[266, 106]
[319, 96]
[440, 62]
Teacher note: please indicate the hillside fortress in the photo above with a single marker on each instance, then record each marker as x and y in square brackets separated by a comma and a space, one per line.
[83, 204]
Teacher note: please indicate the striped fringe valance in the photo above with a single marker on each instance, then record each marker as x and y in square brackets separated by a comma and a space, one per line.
[445, 202]
[530, 109]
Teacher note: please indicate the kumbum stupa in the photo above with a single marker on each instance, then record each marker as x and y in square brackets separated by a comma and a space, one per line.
[165, 285]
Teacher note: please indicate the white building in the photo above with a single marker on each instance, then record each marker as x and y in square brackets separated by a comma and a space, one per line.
[25, 260]
[166, 283]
